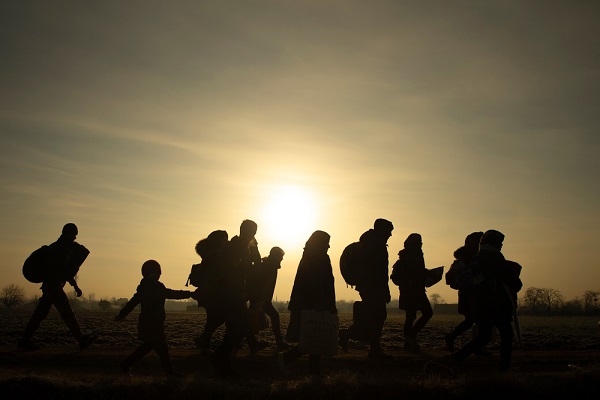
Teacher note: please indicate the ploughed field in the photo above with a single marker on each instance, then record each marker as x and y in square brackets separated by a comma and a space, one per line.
[538, 332]
[559, 358]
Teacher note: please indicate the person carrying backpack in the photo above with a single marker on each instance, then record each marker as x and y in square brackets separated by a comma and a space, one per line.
[203, 276]
[59, 268]
[454, 277]
[495, 283]
[372, 286]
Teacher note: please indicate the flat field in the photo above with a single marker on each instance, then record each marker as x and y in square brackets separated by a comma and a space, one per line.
[559, 358]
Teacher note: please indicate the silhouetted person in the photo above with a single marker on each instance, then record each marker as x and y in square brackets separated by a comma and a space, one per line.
[313, 290]
[61, 268]
[373, 289]
[208, 249]
[151, 294]
[263, 289]
[496, 283]
[230, 298]
[463, 257]
[411, 271]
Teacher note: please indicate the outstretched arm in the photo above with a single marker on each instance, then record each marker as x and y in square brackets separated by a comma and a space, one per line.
[177, 294]
[131, 304]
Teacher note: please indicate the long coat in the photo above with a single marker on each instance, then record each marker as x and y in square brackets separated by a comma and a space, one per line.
[313, 290]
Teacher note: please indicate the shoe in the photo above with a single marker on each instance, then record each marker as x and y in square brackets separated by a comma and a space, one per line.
[86, 341]
[27, 345]
[258, 346]
[343, 339]
[281, 364]
[449, 343]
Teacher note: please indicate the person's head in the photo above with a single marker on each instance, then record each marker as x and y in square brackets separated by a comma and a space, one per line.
[276, 254]
[383, 228]
[413, 241]
[70, 231]
[212, 243]
[318, 241]
[151, 270]
[492, 238]
[473, 239]
[248, 229]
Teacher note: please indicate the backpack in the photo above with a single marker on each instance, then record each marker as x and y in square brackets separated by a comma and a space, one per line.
[199, 275]
[40, 265]
[35, 267]
[456, 274]
[351, 263]
[397, 275]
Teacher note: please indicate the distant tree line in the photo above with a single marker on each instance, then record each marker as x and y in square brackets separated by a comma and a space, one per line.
[533, 301]
[548, 301]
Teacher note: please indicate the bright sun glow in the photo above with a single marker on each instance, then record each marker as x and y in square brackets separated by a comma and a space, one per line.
[289, 216]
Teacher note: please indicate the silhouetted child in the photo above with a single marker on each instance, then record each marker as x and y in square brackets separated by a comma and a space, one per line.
[151, 294]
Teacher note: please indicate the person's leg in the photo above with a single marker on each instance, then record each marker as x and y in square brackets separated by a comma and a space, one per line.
[39, 314]
[411, 315]
[272, 313]
[377, 315]
[235, 323]
[426, 314]
[477, 343]
[506, 339]
[314, 364]
[214, 319]
[137, 354]
[61, 302]
[161, 348]
[462, 327]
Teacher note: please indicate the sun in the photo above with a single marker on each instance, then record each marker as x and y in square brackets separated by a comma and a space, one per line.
[289, 216]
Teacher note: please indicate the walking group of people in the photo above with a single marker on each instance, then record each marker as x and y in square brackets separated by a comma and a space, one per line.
[235, 285]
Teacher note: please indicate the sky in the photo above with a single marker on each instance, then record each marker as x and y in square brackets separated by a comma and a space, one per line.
[150, 124]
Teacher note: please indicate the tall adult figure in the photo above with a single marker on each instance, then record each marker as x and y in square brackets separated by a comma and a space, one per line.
[313, 290]
[459, 268]
[410, 274]
[373, 288]
[63, 261]
[229, 298]
[495, 283]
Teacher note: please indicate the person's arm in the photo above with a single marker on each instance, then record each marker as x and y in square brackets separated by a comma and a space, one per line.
[73, 283]
[131, 304]
[177, 294]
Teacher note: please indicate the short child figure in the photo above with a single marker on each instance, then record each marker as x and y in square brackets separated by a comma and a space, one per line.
[151, 294]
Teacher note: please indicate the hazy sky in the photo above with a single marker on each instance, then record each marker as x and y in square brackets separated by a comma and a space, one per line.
[151, 123]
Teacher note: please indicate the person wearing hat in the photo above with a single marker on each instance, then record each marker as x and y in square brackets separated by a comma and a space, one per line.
[494, 283]
[151, 294]
[66, 256]
[370, 313]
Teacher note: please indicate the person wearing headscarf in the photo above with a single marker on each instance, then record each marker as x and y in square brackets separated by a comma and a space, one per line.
[313, 289]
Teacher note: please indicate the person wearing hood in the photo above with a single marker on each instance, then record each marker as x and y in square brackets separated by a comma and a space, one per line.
[495, 283]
